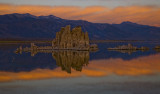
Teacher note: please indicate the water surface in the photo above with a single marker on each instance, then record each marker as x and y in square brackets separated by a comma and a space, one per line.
[77, 72]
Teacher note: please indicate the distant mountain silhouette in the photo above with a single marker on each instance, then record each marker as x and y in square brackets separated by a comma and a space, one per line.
[27, 26]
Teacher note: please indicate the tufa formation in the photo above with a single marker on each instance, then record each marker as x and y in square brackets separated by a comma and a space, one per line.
[128, 48]
[66, 39]
[73, 39]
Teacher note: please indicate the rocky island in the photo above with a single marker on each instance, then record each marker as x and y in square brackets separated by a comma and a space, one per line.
[157, 48]
[128, 48]
[66, 39]
[73, 39]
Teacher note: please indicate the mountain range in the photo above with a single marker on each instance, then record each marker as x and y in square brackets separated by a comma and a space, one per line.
[27, 26]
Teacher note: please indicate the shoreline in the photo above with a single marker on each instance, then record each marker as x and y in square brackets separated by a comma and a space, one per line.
[50, 41]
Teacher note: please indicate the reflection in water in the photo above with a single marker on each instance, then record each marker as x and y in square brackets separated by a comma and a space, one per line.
[128, 51]
[102, 63]
[66, 59]
[71, 59]
[157, 50]
[147, 65]
[125, 51]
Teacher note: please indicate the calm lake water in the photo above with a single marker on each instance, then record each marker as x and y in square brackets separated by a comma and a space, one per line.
[72, 72]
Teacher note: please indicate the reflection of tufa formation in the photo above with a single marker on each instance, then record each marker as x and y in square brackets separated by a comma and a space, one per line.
[70, 49]
[68, 60]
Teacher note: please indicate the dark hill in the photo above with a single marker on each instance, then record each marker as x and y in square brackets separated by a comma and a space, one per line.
[27, 26]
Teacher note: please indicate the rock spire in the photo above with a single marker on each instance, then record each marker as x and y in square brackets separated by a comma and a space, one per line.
[71, 39]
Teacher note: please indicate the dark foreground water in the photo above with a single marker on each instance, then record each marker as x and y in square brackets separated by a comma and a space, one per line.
[72, 72]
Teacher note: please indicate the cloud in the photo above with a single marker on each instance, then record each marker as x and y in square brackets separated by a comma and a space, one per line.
[147, 15]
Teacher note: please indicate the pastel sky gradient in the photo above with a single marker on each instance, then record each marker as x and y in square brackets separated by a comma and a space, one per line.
[84, 3]
[145, 12]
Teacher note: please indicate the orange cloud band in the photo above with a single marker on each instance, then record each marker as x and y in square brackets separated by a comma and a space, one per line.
[139, 14]
[148, 65]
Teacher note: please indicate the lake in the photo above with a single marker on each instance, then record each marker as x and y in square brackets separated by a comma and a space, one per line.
[78, 72]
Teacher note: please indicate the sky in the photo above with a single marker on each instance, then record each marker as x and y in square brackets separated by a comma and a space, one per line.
[145, 12]
[85, 3]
